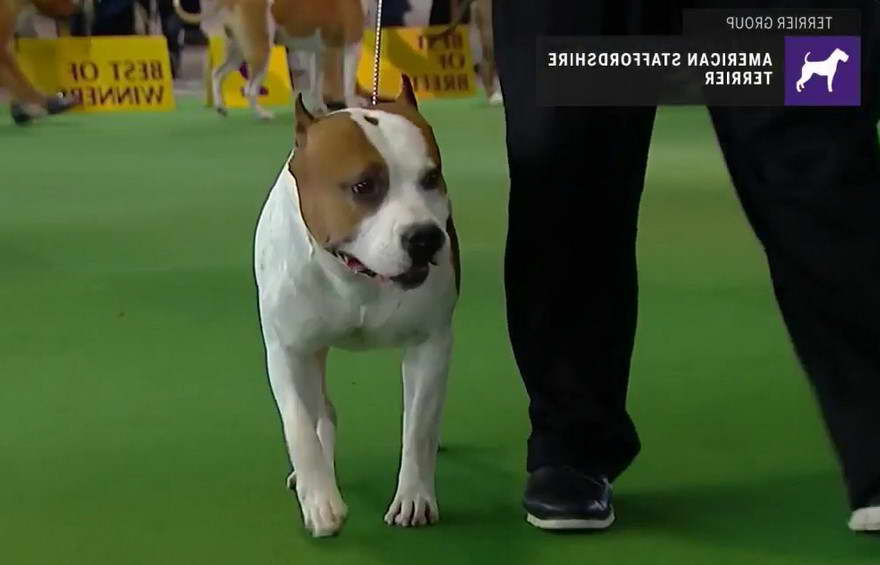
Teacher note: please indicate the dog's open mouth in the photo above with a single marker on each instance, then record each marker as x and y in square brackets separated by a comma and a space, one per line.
[411, 278]
[354, 264]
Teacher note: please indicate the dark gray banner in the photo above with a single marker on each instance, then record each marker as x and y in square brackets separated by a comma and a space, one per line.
[775, 58]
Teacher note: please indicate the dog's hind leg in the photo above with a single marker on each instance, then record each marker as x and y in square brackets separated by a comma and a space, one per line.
[805, 76]
[256, 31]
[296, 380]
[257, 72]
[350, 62]
[425, 371]
[316, 81]
[299, 62]
[234, 60]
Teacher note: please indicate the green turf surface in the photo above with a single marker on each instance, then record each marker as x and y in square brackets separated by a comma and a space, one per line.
[136, 423]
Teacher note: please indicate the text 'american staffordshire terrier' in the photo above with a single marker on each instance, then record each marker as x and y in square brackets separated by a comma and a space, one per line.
[355, 248]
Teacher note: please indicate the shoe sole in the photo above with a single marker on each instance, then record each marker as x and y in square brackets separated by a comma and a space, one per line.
[569, 523]
[866, 520]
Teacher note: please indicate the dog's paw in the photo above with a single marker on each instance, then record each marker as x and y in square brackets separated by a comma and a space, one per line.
[413, 507]
[221, 110]
[323, 510]
[264, 114]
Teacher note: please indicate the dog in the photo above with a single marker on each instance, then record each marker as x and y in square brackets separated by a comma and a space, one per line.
[355, 248]
[28, 102]
[307, 27]
[826, 68]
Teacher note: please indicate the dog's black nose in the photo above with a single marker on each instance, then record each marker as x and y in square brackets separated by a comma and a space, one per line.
[422, 242]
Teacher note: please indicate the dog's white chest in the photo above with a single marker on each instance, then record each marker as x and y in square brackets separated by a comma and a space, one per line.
[381, 325]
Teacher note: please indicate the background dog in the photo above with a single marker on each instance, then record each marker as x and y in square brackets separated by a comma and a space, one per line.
[28, 102]
[307, 27]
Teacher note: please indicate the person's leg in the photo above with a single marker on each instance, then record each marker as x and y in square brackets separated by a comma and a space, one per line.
[809, 180]
[172, 29]
[576, 177]
[810, 183]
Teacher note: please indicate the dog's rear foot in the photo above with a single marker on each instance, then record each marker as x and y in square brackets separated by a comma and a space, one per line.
[222, 111]
[264, 114]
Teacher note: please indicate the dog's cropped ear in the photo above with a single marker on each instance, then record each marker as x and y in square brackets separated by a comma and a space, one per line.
[407, 95]
[304, 120]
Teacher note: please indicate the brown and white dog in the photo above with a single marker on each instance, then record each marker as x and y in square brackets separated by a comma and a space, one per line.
[355, 248]
[307, 27]
[28, 102]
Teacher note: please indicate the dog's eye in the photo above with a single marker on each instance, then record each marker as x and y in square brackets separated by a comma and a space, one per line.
[364, 187]
[431, 179]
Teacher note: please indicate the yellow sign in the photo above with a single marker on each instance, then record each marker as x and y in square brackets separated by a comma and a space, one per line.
[276, 90]
[108, 74]
[439, 66]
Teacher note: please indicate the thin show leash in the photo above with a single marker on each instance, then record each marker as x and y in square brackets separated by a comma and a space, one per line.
[377, 55]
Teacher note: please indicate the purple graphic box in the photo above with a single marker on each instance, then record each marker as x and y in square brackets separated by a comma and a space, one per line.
[811, 63]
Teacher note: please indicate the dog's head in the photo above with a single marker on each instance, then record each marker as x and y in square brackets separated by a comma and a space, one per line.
[840, 55]
[371, 188]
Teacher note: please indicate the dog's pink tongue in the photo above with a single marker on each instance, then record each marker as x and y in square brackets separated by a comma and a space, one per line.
[353, 263]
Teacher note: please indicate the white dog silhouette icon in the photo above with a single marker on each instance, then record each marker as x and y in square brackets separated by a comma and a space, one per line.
[826, 68]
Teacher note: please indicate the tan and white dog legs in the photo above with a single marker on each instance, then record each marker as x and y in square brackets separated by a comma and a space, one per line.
[257, 68]
[307, 61]
[350, 63]
[309, 421]
[297, 381]
[425, 370]
[234, 60]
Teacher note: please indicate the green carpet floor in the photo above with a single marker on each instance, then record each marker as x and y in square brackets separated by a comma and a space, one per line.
[136, 423]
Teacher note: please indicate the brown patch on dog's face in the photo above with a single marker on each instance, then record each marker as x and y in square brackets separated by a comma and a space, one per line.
[341, 177]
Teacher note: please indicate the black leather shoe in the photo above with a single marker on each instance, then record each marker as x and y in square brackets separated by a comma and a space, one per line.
[562, 498]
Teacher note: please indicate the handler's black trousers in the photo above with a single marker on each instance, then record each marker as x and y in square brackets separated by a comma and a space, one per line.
[809, 180]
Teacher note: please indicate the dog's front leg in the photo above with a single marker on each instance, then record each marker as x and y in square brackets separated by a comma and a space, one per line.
[297, 383]
[425, 370]
[830, 79]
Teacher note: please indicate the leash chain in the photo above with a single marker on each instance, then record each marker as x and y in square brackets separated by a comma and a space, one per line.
[377, 55]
